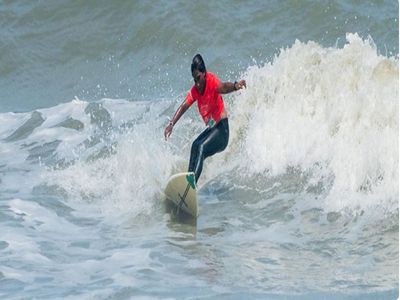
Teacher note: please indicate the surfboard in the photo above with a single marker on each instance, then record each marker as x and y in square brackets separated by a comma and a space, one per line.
[181, 191]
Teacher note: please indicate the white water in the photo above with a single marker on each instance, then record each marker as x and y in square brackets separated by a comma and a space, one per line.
[331, 111]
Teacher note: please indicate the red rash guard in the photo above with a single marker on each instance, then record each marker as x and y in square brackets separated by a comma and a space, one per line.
[210, 103]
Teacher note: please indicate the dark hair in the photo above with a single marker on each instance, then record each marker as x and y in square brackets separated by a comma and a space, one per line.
[198, 64]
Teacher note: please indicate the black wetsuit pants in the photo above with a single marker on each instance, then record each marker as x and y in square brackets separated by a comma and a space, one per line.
[210, 141]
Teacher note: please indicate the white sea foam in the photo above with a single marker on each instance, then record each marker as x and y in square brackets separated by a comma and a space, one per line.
[330, 112]
[132, 172]
[329, 107]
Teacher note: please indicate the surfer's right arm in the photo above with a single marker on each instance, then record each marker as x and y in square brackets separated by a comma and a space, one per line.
[179, 112]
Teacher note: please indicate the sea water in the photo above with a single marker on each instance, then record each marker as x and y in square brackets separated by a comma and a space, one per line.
[303, 203]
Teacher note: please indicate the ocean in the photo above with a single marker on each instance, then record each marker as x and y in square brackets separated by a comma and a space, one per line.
[303, 203]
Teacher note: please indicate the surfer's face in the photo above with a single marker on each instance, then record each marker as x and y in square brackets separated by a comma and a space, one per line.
[199, 80]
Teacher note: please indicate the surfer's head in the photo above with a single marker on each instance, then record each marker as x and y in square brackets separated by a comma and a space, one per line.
[198, 64]
[199, 72]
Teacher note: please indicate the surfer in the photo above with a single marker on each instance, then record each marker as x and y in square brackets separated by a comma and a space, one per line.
[207, 90]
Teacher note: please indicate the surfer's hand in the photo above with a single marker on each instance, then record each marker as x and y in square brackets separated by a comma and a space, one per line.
[168, 130]
[241, 84]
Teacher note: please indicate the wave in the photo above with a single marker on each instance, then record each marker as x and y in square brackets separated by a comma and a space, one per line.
[324, 119]
[330, 111]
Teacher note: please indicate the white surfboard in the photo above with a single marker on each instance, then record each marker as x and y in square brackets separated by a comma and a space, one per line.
[181, 191]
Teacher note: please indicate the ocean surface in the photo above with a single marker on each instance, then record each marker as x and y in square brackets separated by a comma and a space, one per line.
[303, 203]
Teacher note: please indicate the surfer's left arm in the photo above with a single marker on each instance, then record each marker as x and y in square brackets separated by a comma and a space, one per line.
[229, 87]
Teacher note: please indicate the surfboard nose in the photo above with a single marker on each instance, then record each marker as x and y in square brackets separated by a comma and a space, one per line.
[181, 191]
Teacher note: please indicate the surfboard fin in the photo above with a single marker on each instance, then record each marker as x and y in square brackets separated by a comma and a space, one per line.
[191, 180]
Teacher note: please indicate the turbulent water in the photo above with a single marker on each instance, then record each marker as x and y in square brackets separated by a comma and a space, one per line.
[303, 203]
